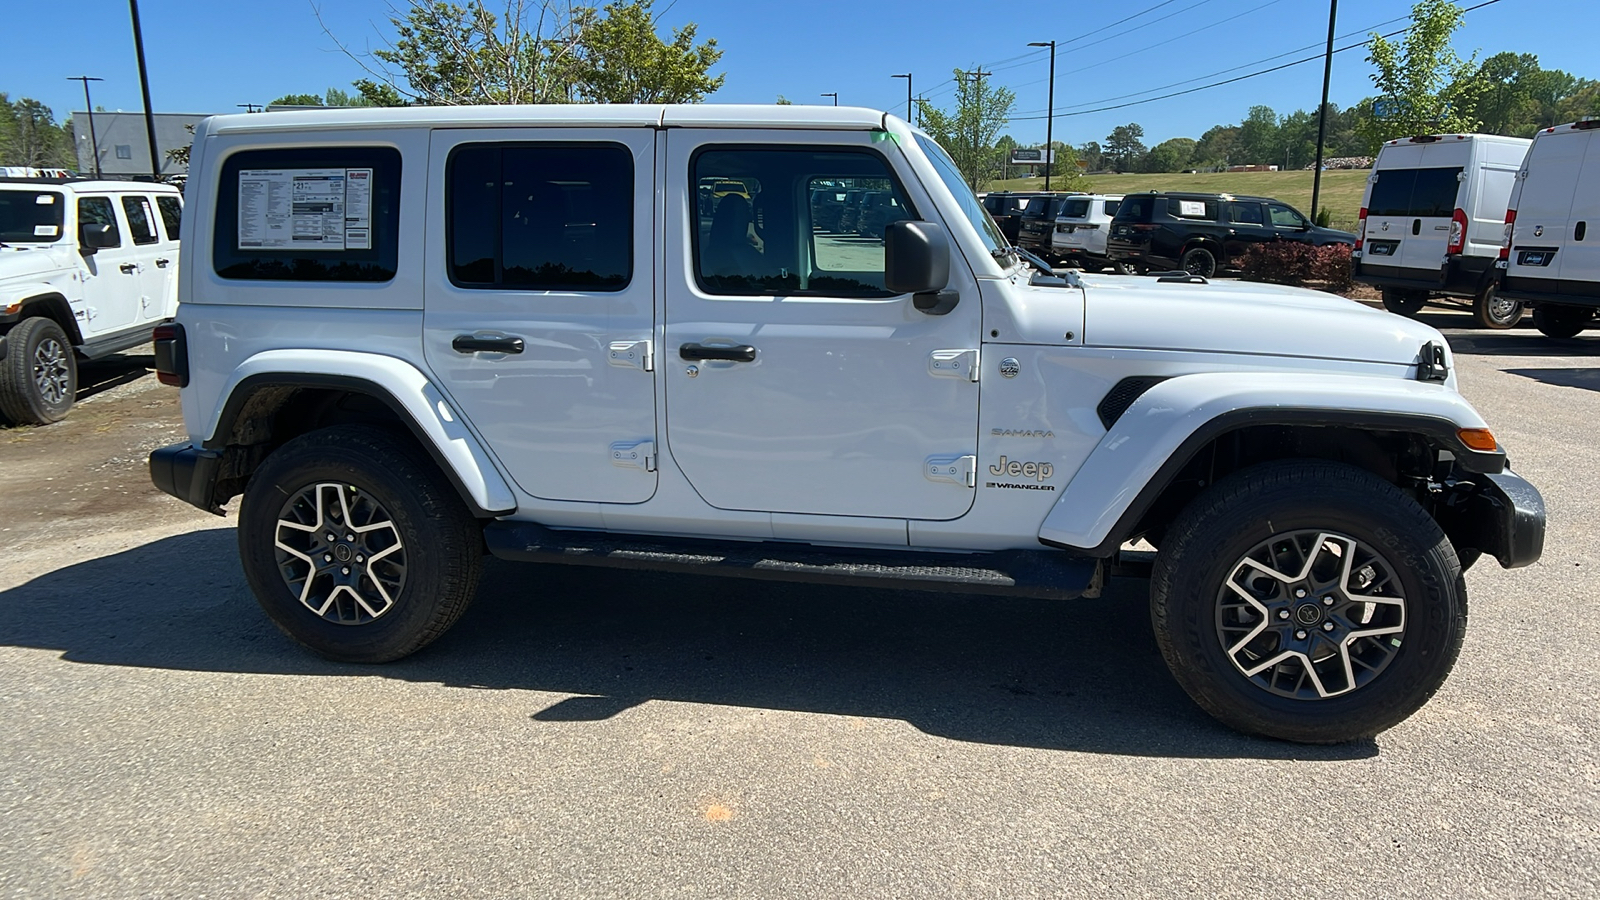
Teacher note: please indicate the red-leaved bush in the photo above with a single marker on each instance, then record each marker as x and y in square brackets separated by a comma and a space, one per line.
[1291, 262]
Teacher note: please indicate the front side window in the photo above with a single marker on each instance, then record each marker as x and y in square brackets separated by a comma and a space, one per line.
[34, 217]
[551, 217]
[988, 232]
[171, 209]
[766, 230]
[1286, 217]
[140, 221]
[99, 211]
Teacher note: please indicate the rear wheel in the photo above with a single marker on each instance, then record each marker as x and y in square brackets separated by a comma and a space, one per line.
[1554, 320]
[39, 375]
[1309, 601]
[1403, 302]
[1199, 261]
[355, 545]
[1491, 310]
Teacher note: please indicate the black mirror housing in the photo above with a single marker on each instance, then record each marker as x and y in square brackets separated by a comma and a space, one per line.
[97, 237]
[916, 257]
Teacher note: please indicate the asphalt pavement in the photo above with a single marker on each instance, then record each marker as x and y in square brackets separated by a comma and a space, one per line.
[608, 734]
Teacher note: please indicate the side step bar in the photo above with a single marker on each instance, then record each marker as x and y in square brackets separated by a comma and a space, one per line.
[1049, 574]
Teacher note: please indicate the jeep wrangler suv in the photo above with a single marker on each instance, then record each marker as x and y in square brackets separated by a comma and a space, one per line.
[410, 336]
[87, 268]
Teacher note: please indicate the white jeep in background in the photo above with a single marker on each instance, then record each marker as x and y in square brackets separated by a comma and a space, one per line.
[408, 336]
[87, 268]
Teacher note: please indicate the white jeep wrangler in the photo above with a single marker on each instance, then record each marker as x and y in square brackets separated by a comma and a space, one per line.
[406, 336]
[87, 268]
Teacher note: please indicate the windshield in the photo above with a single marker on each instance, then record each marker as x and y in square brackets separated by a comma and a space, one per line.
[993, 240]
[30, 216]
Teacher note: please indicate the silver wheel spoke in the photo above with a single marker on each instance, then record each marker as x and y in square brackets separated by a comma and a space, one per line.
[340, 553]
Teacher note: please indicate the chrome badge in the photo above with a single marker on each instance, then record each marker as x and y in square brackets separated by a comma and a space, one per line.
[1009, 367]
[1538, 231]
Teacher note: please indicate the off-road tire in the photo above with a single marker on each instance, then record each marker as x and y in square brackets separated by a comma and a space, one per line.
[1203, 548]
[442, 541]
[1557, 321]
[39, 376]
[1490, 310]
[1199, 261]
[1404, 302]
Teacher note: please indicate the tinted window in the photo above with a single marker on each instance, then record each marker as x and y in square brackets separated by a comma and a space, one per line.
[1136, 209]
[768, 239]
[1414, 192]
[140, 224]
[98, 211]
[171, 209]
[1244, 213]
[31, 216]
[1113, 207]
[1075, 209]
[1180, 208]
[1037, 206]
[554, 217]
[1285, 217]
[309, 214]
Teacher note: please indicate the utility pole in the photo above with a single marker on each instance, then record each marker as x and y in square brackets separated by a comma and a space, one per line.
[1050, 114]
[920, 100]
[907, 77]
[1322, 112]
[144, 86]
[94, 141]
[834, 95]
[249, 107]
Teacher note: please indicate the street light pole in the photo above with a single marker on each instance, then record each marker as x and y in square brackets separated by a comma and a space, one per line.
[834, 95]
[144, 86]
[94, 141]
[907, 77]
[1050, 114]
[1322, 113]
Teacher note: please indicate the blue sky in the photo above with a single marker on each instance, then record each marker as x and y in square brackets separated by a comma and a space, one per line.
[206, 57]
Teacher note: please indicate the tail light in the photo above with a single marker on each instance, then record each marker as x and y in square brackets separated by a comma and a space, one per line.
[1361, 228]
[1458, 233]
[172, 354]
[1505, 242]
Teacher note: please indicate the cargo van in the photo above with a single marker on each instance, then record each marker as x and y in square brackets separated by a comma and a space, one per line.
[1431, 219]
[1550, 254]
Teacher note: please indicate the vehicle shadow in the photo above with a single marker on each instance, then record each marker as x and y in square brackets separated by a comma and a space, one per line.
[1585, 378]
[1082, 675]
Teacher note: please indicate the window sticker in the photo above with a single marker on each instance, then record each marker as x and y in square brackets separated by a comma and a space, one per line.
[1191, 208]
[46, 230]
[305, 209]
[44, 199]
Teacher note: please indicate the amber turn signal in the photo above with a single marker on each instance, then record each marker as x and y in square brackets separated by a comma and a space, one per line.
[1481, 439]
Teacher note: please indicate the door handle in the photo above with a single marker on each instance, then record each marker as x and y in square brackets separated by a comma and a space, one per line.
[129, 268]
[162, 263]
[1416, 226]
[468, 343]
[741, 353]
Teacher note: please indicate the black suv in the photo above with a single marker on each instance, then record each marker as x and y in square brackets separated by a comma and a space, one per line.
[1038, 222]
[1005, 207]
[1204, 233]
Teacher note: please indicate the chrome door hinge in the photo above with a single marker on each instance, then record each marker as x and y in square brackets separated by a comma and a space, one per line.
[634, 455]
[954, 364]
[632, 355]
[962, 470]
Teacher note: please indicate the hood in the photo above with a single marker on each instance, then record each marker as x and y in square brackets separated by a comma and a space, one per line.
[32, 263]
[1236, 317]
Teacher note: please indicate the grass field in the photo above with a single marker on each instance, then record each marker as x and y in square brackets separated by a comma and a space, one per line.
[1341, 190]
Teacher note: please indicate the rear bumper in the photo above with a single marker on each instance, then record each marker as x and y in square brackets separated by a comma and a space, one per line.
[1500, 514]
[1540, 290]
[1460, 276]
[188, 473]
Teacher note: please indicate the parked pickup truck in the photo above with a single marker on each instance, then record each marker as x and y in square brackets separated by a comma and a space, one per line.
[87, 268]
[408, 336]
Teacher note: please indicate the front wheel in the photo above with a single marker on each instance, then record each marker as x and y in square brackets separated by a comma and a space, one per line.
[1309, 601]
[1491, 310]
[1403, 302]
[39, 375]
[1554, 320]
[355, 545]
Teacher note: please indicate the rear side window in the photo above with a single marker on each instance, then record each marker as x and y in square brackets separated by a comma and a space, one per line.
[140, 221]
[540, 217]
[98, 211]
[1180, 208]
[1136, 209]
[309, 214]
[1113, 207]
[171, 209]
[1415, 192]
[1075, 209]
[1037, 206]
[31, 216]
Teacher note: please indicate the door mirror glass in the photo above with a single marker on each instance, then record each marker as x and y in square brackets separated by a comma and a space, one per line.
[916, 257]
[97, 237]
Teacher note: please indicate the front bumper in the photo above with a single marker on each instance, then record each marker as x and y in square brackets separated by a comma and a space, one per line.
[1499, 514]
[188, 473]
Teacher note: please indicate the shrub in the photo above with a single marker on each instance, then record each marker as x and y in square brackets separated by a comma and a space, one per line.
[1293, 263]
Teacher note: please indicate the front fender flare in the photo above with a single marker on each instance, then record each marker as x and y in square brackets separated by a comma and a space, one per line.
[395, 382]
[1152, 441]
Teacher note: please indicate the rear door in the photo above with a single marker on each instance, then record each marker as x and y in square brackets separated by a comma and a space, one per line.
[1434, 197]
[540, 302]
[112, 284]
[1540, 245]
[1581, 269]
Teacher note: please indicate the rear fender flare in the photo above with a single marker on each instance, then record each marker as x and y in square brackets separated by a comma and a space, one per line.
[1152, 441]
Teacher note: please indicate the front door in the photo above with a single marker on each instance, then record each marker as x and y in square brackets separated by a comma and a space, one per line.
[794, 381]
[540, 303]
[1246, 227]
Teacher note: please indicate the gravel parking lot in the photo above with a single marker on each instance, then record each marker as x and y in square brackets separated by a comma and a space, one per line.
[596, 734]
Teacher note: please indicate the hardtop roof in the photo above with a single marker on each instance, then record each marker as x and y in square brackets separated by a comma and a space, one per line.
[704, 115]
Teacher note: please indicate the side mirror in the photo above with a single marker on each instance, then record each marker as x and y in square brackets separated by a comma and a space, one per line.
[97, 237]
[917, 262]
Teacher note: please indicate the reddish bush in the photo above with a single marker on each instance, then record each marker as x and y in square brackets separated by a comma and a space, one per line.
[1291, 262]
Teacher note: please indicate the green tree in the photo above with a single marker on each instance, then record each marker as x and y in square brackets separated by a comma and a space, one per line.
[1172, 155]
[1123, 146]
[1216, 146]
[621, 59]
[968, 132]
[1425, 86]
[1260, 139]
[29, 136]
[784, 101]
[1091, 155]
[298, 100]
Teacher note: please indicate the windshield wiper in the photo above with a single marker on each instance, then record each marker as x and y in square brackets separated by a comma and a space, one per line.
[1032, 260]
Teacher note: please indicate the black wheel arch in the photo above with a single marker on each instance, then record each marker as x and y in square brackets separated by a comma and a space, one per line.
[53, 306]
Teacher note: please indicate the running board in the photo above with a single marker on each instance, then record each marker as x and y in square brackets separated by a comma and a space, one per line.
[1048, 574]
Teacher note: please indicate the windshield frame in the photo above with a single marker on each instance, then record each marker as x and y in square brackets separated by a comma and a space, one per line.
[966, 200]
[60, 217]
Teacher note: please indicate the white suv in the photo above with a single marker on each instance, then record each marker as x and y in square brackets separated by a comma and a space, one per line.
[1079, 238]
[87, 268]
[408, 336]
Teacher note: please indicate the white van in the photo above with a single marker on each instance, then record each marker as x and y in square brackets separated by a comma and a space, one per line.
[1431, 222]
[1079, 238]
[1550, 256]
